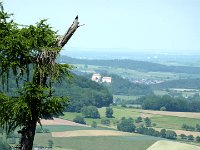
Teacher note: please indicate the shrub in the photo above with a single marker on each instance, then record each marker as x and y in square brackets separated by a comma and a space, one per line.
[190, 137]
[163, 109]
[105, 122]
[94, 124]
[154, 124]
[138, 120]
[198, 138]
[197, 127]
[147, 121]
[126, 125]
[163, 133]
[183, 136]
[50, 143]
[79, 119]
[171, 134]
[90, 112]
[109, 112]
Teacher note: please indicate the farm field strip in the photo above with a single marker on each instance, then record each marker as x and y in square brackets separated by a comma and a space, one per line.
[134, 142]
[170, 113]
[78, 133]
[58, 121]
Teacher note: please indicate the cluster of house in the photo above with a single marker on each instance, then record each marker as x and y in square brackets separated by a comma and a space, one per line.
[100, 79]
[147, 81]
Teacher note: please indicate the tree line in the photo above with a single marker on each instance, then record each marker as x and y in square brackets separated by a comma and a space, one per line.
[128, 125]
[169, 103]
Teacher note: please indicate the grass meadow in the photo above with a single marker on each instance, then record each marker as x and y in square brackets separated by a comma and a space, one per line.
[135, 142]
[129, 142]
[161, 121]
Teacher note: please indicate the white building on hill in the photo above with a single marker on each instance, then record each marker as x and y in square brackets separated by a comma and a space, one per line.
[96, 77]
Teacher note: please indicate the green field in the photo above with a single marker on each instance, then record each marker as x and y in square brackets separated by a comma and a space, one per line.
[129, 142]
[124, 97]
[160, 92]
[172, 122]
[97, 143]
[168, 122]
[61, 128]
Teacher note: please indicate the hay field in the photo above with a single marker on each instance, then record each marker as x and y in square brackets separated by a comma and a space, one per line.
[90, 133]
[171, 145]
[58, 121]
[170, 113]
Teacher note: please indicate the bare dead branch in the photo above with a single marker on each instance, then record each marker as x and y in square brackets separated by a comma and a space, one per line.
[65, 38]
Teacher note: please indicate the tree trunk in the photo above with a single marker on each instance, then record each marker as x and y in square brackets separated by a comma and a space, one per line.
[28, 131]
[27, 136]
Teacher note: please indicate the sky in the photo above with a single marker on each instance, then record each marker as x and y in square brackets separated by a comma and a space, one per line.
[129, 24]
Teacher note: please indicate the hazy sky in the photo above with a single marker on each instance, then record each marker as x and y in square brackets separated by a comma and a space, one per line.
[133, 24]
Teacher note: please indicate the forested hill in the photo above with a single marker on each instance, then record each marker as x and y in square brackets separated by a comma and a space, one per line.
[80, 90]
[182, 83]
[132, 64]
[83, 92]
[120, 86]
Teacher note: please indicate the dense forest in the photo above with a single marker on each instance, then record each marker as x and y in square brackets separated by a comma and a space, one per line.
[132, 64]
[83, 92]
[80, 90]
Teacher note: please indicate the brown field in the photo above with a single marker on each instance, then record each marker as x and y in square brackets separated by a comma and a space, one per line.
[170, 113]
[58, 121]
[78, 133]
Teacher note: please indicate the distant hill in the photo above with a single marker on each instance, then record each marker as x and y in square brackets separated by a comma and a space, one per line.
[132, 64]
[182, 83]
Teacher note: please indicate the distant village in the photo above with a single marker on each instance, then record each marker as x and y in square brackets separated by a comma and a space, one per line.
[147, 81]
[100, 79]
[105, 79]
